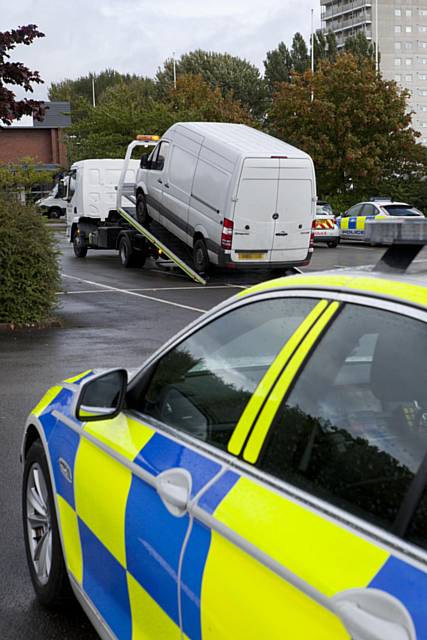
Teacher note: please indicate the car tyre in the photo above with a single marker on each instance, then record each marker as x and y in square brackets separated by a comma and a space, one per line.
[54, 213]
[142, 211]
[200, 257]
[128, 257]
[79, 246]
[332, 244]
[41, 533]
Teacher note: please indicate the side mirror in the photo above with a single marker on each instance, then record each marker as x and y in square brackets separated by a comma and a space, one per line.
[145, 163]
[62, 191]
[102, 397]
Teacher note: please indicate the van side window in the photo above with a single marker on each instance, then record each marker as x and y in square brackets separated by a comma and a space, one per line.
[182, 166]
[159, 160]
[353, 431]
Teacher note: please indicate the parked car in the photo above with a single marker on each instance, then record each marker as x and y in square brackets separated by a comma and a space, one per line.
[352, 222]
[53, 205]
[236, 196]
[325, 228]
[263, 475]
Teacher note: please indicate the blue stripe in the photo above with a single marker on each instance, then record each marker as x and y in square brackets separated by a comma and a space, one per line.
[105, 582]
[196, 554]
[409, 585]
[63, 443]
[216, 493]
[154, 540]
[161, 453]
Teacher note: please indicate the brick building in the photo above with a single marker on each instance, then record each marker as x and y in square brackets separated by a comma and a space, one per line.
[43, 141]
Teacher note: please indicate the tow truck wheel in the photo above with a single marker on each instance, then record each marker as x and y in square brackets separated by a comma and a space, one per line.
[79, 246]
[200, 257]
[142, 211]
[54, 213]
[128, 257]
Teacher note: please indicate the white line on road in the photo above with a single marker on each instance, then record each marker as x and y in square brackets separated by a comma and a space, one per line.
[195, 288]
[134, 293]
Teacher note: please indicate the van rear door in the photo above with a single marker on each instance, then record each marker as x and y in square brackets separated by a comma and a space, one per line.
[295, 198]
[255, 206]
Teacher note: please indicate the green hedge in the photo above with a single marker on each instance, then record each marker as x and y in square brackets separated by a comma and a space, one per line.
[29, 271]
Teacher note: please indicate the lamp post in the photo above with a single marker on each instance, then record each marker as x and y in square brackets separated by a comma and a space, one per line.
[377, 57]
[312, 52]
[174, 69]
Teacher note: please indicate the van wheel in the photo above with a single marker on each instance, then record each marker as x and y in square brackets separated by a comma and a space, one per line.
[332, 244]
[41, 535]
[142, 211]
[200, 257]
[79, 246]
[54, 213]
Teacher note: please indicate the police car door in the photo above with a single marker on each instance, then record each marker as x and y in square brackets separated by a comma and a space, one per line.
[313, 533]
[191, 398]
[348, 222]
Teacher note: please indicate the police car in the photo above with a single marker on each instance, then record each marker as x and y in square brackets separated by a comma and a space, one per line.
[262, 476]
[352, 223]
[325, 228]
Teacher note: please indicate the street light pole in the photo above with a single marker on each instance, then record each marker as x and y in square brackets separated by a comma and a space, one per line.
[377, 57]
[174, 69]
[312, 52]
[93, 91]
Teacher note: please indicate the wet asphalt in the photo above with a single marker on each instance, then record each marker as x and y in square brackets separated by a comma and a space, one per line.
[109, 316]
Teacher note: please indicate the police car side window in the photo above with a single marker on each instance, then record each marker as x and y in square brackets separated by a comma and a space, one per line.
[202, 385]
[352, 430]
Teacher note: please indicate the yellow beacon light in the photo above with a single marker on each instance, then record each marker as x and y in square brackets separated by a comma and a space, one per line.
[145, 138]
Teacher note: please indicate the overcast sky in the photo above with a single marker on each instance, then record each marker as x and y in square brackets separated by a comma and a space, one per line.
[136, 36]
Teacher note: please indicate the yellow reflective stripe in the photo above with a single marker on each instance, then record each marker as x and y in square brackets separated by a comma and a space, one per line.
[254, 405]
[123, 434]
[78, 377]
[48, 397]
[344, 223]
[71, 539]
[265, 419]
[360, 222]
[148, 618]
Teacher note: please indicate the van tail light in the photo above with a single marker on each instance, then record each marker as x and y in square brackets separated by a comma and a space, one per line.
[227, 234]
[313, 226]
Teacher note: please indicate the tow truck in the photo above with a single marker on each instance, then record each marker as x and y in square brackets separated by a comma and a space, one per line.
[101, 214]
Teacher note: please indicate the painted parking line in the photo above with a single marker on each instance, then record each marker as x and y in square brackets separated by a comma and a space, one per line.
[155, 289]
[135, 293]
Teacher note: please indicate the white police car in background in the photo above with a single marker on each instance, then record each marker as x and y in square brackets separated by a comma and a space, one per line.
[325, 228]
[352, 223]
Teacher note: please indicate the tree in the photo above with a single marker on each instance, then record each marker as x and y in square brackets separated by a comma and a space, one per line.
[229, 73]
[278, 66]
[325, 47]
[126, 110]
[71, 90]
[360, 47]
[17, 74]
[357, 128]
[299, 54]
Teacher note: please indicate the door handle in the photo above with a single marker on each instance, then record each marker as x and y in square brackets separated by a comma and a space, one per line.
[174, 489]
[160, 180]
[166, 185]
[282, 233]
[372, 614]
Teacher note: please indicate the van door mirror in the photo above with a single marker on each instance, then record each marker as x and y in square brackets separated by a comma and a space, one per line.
[102, 397]
[145, 163]
[62, 191]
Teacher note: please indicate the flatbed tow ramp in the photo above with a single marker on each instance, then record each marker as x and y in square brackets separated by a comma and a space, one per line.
[166, 243]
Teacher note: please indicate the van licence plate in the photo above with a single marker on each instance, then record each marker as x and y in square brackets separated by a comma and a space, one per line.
[251, 256]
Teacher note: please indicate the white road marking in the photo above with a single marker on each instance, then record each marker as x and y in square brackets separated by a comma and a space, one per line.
[134, 293]
[195, 288]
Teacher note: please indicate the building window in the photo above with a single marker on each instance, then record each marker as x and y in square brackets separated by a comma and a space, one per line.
[422, 45]
[422, 107]
[423, 92]
[408, 62]
[422, 12]
[397, 28]
[397, 62]
[398, 77]
[397, 45]
[422, 76]
[408, 77]
[422, 28]
[408, 13]
[408, 28]
[408, 45]
[397, 12]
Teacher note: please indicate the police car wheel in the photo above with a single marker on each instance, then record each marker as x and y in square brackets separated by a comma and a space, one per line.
[332, 244]
[41, 534]
[200, 257]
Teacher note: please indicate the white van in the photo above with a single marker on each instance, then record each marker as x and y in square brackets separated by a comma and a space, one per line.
[91, 191]
[237, 196]
[53, 205]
